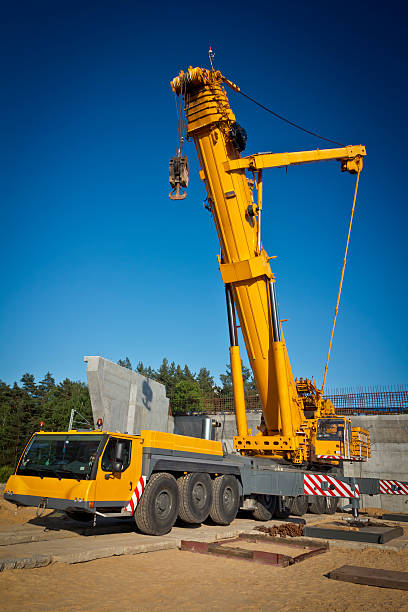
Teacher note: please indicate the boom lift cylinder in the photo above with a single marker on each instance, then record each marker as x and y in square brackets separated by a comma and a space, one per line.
[236, 367]
[274, 313]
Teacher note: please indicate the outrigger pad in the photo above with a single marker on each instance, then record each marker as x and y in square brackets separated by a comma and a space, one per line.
[372, 577]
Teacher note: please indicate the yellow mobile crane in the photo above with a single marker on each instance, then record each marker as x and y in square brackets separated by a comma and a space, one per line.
[298, 425]
[293, 463]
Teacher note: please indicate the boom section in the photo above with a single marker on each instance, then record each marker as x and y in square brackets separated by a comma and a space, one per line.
[244, 264]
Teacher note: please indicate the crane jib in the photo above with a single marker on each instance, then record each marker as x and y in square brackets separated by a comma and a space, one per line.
[291, 408]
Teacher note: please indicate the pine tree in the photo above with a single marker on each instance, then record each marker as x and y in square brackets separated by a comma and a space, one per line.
[68, 395]
[226, 379]
[29, 385]
[46, 386]
[206, 381]
[125, 363]
[186, 397]
[165, 376]
[188, 374]
[30, 401]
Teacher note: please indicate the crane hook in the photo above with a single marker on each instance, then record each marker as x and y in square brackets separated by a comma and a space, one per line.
[178, 177]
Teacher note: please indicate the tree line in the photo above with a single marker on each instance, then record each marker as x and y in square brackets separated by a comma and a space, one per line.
[185, 388]
[23, 406]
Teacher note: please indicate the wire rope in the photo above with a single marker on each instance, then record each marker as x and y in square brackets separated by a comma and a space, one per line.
[341, 281]
[299, 127]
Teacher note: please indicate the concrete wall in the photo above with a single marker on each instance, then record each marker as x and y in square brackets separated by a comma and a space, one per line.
[389, 450]
[192, 426]
[125, 400]
[389, 457]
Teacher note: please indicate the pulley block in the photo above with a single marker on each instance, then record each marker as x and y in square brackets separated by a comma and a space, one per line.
[178, 177]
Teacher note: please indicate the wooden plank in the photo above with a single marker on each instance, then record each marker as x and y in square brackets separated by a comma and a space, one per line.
[387, 579]
[192, 546]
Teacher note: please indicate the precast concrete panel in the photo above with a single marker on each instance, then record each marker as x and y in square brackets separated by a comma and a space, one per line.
[126, 401]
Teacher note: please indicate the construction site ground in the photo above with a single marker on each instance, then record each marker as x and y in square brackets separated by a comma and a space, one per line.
[52, 563]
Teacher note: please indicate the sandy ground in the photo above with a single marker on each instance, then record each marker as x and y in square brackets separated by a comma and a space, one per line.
[175, 580]
[14, 515]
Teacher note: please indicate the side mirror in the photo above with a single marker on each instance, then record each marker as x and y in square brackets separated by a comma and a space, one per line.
[116, 466]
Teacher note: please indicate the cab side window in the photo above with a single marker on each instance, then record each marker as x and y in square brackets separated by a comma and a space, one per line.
[117, 449]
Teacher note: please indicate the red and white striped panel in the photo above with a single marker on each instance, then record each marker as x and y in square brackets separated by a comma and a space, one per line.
[313, 485]
[137, 493]
[393, 487]
[330, 457]
[334, 457]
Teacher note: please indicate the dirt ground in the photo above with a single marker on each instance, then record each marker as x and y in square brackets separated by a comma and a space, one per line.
[175, 580]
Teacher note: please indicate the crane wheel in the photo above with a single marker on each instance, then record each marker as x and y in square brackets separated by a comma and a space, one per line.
[225, 499]
[318, 505]
[158, 507]
[195, 496]
[265, 507]
[331, 505]
[299, 505]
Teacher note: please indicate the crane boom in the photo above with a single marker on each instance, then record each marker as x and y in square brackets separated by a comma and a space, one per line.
[245, 265]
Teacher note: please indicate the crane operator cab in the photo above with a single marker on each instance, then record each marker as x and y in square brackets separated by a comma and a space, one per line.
[335, 438]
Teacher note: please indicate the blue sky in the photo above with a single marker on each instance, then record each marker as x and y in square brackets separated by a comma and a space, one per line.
[96, 260]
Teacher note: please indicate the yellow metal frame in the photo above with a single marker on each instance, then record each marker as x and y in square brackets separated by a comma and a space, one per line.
[117, 487]
[245, 265]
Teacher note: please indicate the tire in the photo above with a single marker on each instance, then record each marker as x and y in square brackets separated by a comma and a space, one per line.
[300, 505]
[284, 507]
[318, 505]
[195, 496]
[158, 507]
[225, 499]
[265, 507]
[81, 517]
[331, 505]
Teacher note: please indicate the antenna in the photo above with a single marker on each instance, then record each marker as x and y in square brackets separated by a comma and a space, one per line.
[211, 56]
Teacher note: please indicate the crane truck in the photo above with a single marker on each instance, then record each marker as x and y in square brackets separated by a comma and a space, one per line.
[294, 462]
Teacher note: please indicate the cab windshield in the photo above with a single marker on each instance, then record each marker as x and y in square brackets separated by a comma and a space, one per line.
[330, 429]
[60, 456]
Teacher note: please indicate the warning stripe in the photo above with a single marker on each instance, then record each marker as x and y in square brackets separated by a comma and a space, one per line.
[393, 487]
[334, 457]
[137, 493]
[333, 487]
[329, 456]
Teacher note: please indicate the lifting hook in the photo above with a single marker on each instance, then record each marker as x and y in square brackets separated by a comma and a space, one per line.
[178, 177]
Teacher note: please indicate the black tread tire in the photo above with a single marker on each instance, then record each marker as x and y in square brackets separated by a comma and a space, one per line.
[318, 505]
[331, 505]
[81, 517]
[147, 514]
[300, 505]
[265, 507]
[284, 506]
[195, 497]
[225, 499]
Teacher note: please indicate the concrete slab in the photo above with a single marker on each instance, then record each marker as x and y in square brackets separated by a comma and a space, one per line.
[79, 550]
[21, 534]
[30, 545]
[126, 401]
[76, 544]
